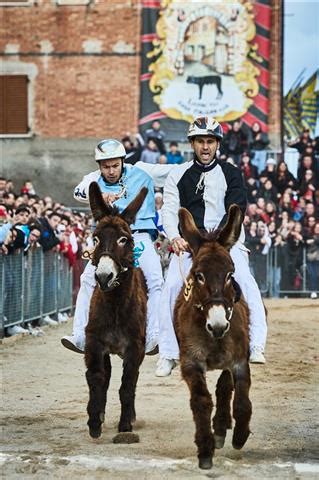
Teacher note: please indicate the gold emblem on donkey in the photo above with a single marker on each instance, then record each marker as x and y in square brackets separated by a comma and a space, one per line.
[188, 289]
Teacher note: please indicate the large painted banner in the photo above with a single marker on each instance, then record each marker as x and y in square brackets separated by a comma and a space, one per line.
[204, 58]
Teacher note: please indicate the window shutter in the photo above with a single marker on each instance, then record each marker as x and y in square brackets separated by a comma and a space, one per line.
[14, 104]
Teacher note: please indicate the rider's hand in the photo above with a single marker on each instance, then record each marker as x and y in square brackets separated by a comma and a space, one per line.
[179, 245]
[109, 197]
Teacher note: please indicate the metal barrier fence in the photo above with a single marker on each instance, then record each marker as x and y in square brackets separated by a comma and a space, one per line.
[32, 286]
[39, 284]
[280, 274]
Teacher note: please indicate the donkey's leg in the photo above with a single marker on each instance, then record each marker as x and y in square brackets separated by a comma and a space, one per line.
[202, 405]
[98, 380]
[131, 363]
[241, 405]
[222, 418]
[108, 370]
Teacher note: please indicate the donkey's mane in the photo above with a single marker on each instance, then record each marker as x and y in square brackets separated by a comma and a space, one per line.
[211, 235]
[113, 211]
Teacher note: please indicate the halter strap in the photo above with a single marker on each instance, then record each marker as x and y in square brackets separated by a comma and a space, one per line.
[109, 254]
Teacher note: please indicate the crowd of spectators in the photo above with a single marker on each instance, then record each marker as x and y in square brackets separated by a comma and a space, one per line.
[283, 208]
[282, 211]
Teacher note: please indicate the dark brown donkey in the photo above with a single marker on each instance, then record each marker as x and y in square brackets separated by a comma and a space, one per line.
[211, 324]
[117, 318]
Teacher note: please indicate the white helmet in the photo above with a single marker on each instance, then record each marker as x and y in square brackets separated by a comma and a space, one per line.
[108, 149]
[205, 126]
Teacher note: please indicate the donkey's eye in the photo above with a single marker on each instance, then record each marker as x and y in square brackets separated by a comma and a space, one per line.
[200, 277]
[122, 241]
[96, 241]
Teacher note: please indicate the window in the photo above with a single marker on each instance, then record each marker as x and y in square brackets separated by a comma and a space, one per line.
[13, 104]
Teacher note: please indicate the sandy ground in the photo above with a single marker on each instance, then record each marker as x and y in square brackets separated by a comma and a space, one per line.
[44, 416]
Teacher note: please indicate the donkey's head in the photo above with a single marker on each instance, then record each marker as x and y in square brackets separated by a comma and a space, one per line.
[213, 289]
[113, 241]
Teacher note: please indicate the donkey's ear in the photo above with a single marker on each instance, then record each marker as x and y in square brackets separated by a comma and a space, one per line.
[189, 230]
[129, 214]
[97, 203]
[230, 232]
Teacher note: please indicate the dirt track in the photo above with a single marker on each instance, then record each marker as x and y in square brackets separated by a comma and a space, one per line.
[45, 396]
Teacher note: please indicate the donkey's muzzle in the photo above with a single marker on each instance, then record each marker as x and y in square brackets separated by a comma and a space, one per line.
[106, 282]
[218, 331]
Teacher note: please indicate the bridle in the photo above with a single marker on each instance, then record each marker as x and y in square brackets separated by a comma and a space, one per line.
[217, 301]
[88, 255]
[214, 300]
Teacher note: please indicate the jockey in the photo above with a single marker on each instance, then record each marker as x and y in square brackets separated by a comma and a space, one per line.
[207, 188]
[119, 184]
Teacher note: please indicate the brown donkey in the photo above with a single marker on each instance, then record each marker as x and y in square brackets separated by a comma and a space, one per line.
[117, 318]
[211, 324]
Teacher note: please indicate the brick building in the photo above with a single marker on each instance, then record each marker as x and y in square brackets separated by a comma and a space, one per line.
[70, 75]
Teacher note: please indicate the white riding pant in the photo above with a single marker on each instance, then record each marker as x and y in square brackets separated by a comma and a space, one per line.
[168, 346]
[149, 262]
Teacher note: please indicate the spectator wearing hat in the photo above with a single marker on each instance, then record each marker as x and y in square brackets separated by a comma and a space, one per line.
[174, 156]
[258, 145]
[270, 169]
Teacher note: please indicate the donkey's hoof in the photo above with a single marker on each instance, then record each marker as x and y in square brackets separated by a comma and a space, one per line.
[95, 433]
[219, 441]
[205, 463]
[239, 439]
[126, 437]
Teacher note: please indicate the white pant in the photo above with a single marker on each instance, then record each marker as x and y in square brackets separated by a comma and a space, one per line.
[150, 264]
[168, 346]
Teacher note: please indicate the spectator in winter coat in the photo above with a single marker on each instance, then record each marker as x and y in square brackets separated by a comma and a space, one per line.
[235, 141]
[302, 142]
[156, 133]
[49, 240]
[284, 179]
[174, 155]
[270, 170]
[258, 145]
[151, 153]
[268, 191]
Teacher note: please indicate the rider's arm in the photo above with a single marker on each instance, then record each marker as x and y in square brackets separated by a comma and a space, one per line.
[170, 207]
[236, 191]
[157, 171]
[81, 191]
